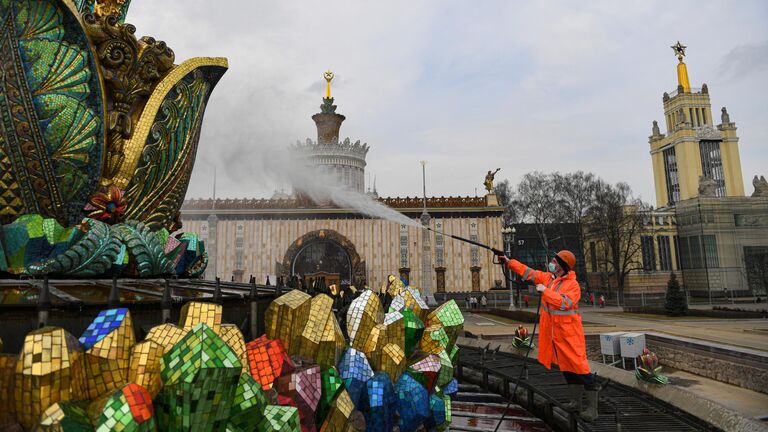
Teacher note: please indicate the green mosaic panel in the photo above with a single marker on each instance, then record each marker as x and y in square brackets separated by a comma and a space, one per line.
[248, 404]
[279, 419]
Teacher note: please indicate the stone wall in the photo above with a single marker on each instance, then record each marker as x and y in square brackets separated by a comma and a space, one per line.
[741, 374]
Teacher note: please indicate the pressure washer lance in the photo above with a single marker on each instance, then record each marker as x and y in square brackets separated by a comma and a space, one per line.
[497, 253]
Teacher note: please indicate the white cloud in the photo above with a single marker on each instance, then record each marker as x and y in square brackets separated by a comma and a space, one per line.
[468, 86]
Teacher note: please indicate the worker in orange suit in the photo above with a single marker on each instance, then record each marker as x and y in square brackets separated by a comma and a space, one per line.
[561, 336]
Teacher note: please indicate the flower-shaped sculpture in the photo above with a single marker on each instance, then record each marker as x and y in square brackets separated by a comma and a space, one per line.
[649, 369]
[107, 205]
[104, 125]
[522, 340]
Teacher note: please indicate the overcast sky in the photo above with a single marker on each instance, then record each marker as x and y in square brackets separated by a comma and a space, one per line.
[466, 85]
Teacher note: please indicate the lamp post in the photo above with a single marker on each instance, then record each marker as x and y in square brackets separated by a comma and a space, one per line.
[426, 250]
[509, 239]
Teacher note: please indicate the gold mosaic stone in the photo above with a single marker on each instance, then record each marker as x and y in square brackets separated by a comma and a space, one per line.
[434, 339]
[395, 329]
[321, 338]
[394, 286]
[285, 318]
[414, 302]
[194, 313]
[45, 372]
[339, 414]
[105, 364]
[232, 335]
[392, 360]
[363, 314]
[7, 368]
[145, 365]
[373, 344]
[166, 335]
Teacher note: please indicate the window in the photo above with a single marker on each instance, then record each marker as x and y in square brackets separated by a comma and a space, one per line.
[593, 256]
[649, 258]
[712, 164]
[704, 115]
[698, 119]
[684, 255]
[690, 115]
[670, 173]
[710, 251]
[694, 246]
[665, 254]
[676, 240]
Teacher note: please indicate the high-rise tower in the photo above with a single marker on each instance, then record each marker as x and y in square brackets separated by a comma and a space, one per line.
[693, 155]
[341, 160]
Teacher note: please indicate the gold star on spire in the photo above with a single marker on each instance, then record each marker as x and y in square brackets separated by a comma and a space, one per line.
[679, 50]
[328, 75]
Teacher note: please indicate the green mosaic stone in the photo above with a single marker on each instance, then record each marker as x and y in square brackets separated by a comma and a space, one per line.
[279, 419]
[248, 404]
[331, 384]
[128, 409]
[454, 354]
[200, 376]
[66, 416]
[449, 315]
[414, 328]
[446, 369]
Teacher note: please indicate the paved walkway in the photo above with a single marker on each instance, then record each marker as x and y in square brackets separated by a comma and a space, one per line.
[748, 333]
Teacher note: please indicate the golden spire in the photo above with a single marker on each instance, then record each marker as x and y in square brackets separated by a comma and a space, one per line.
[328, 75]
[682, 69]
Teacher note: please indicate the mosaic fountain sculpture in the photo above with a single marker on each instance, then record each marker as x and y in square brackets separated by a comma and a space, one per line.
[396, 369]
[98, 138]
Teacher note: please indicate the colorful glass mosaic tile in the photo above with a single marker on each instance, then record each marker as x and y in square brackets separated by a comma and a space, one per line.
[127, 409]
[321, 338]
[108, 340]
[428, 366]
[279, 419]
[285, 318]
[449, 316]
[248, 404]
[452, 387]
[355, 371]
[144, 368]
[340, 412]
[46, 372]
[414, 302]
[303, 389]
[233, 337]
[412, 403]
[434, 339]
[363, 314]
[267, 360]
[373, 344]
[167, 335]
[200, 376]
[65, 417]
[392, 360]
[382, 403]
[194, 313]
[330, 383]
[440, 412]
[414, 328]
[7, 369]
[446, 369]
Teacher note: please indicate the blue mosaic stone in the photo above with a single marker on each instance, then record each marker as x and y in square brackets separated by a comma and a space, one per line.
[440, 412]
[452, 387]
[102, 325]
[412, 403]
[382, 404]
[355, 372]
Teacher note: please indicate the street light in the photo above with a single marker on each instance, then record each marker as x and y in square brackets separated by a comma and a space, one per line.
[509, 239]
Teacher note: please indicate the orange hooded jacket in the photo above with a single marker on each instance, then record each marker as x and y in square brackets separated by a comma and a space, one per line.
[561, 336]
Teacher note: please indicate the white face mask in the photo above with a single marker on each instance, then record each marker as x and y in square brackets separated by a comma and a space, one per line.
[552, 268]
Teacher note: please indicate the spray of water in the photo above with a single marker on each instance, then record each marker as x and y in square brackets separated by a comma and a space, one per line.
[278, 165]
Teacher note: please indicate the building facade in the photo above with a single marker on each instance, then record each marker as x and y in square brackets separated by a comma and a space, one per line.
[291, 235]
[704, 228]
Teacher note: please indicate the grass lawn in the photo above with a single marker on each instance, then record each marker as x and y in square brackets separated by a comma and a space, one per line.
[656, 316]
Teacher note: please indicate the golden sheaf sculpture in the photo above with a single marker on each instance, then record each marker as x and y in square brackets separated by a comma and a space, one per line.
[104, 124]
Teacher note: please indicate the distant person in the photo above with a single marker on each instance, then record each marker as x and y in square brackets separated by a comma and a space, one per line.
[483, 301]
[561, 335]
[592, 299]
[602, 301]
[525, 299]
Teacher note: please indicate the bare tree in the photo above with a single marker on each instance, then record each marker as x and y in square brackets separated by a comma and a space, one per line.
[615, 221]
[507, 199]
[539, 203]
[576, 194]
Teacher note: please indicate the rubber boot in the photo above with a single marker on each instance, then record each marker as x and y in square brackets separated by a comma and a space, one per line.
[590, 411]
[576, 390]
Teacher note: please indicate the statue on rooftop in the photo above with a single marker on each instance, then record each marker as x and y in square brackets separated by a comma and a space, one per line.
[489, 180]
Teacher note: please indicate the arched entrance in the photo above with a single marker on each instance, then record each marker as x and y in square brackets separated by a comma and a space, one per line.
[327, 254]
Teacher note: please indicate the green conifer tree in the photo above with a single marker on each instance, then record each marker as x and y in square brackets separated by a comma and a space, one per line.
[676, 304]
